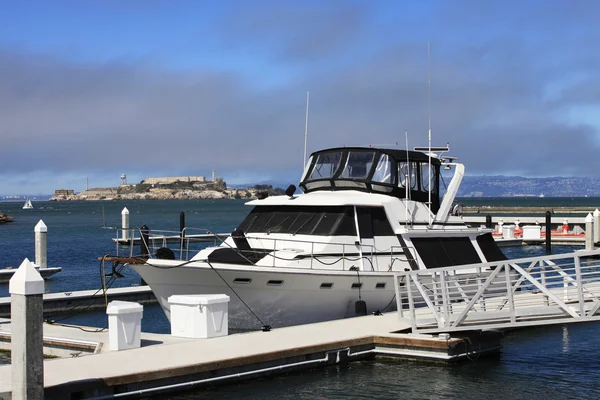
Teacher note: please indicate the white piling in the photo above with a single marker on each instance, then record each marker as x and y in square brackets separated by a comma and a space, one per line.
[596, 226]
[589, 235]
[41, 250]
[125, 223]
[26, 288]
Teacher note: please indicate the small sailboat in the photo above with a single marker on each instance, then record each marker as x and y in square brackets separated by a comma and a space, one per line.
[27, 205]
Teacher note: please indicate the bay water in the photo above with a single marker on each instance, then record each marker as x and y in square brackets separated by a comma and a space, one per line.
[556, 362]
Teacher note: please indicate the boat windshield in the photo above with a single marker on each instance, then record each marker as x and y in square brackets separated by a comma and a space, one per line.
[358, 165]
[385, 171]
[326, 165]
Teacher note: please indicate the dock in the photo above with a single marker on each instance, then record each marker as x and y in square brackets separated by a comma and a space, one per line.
[165, 363]
[85, 300]
[444, 315]
[8, 272]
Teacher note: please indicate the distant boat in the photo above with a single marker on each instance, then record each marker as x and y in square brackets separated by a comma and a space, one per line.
[541, 196]
[27, 205]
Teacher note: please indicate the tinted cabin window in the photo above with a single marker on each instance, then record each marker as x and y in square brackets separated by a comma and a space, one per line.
[445, 252]
[365, 226]
[381, 225]
[490, 249]
[372, 221]
[301, 220]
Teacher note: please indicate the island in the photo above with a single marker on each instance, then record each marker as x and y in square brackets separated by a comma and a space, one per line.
[169, 188]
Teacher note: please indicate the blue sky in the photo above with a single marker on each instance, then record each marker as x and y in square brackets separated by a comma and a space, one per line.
[95, 89]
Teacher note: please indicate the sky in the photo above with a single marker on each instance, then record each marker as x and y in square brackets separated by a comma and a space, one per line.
[91, 90]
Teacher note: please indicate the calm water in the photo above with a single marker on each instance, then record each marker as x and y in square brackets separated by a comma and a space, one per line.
[559, 362]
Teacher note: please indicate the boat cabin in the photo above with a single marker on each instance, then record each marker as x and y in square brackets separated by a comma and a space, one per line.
[400, 173]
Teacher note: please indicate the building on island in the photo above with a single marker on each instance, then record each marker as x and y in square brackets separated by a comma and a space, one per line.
[64, 192]
[173, 179]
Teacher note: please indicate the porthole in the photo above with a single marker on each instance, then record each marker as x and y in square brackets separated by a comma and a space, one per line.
[380, 285]
[356, 285]
[242, 280]
[326, 285]
[275, 283]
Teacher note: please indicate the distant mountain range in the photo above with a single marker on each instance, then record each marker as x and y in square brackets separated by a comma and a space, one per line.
[515, 186]
[472, 186]
[509, 186]
[23, 197]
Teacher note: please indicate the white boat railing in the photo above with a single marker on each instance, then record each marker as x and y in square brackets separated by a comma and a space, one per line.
[501, 295]
[187, 243]
[184, 243]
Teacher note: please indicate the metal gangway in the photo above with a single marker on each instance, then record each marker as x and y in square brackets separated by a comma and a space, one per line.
[554, 289]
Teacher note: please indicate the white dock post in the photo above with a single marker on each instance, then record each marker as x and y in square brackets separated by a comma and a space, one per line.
[125, 223]
[589, 234]
[26, 288]
[41, 250]
[596, 226]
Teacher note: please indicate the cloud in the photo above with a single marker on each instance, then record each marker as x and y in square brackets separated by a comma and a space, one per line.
[296, 31]
[489, 96]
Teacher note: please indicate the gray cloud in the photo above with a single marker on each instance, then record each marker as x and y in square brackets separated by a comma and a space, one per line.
[489, 98]
[296, 31]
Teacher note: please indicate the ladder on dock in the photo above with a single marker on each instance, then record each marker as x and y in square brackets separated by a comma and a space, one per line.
[508, 294]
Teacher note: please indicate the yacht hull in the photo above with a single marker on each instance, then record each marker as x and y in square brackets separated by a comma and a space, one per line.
[278, 297]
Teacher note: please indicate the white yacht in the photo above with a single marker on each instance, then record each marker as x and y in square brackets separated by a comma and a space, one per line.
[324, 254]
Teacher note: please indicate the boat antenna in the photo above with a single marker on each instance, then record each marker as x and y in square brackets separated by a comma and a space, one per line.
[306, 129]
[406, 178]
[429, 122]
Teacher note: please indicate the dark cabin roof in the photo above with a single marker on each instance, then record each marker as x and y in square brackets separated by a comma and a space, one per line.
[397, 154]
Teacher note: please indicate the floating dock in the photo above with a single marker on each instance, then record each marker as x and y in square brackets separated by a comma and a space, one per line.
[7, 273]
[447, 317]
[166, 364]
[85, 300]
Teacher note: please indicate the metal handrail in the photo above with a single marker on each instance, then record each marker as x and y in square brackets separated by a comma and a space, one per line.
[506, 294]
[188, 237]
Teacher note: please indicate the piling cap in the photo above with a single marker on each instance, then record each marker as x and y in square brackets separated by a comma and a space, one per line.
[596, 213]
[40, 227]
[27, 280]
[198, 299]
[116, 307]
[125, 211]
[589, 218]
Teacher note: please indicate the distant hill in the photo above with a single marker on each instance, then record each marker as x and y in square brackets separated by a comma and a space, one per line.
[472, 186]
[506, 186]
[23, 197]
[514, 186]
[272, 183]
